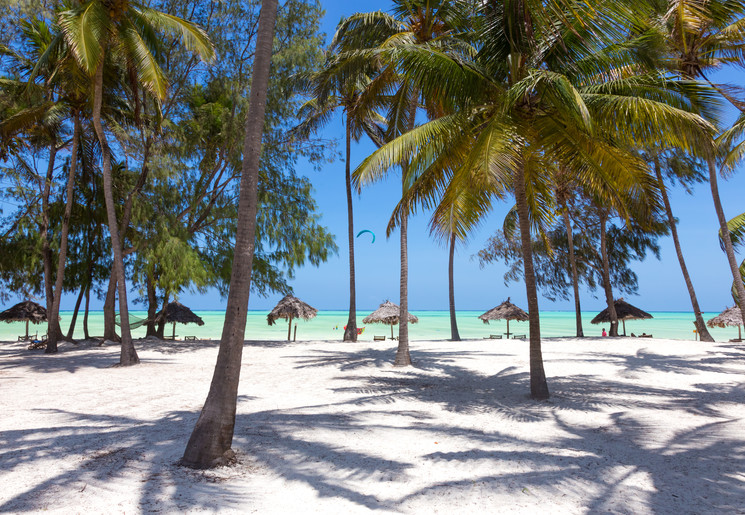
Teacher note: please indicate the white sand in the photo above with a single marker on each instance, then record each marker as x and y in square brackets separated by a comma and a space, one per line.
[633, 426]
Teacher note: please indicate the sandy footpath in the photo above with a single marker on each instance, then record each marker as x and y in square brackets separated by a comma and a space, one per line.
[633, 426]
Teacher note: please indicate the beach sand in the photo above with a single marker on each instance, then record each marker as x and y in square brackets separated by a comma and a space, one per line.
[633, 426]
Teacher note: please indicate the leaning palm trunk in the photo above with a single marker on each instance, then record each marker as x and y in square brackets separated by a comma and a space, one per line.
[703, 332]
[56, 334]
[606, 278]
[403, 358]
[538, 384]
[128, 355]
[350, 332]
[454, 335]
[575, 275]
[724, 232]
[210, 442]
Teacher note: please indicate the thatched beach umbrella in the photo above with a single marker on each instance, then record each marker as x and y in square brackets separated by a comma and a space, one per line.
[387, 313]
[729, 317]
[624, 311]
[505, 311]
[25, 311]
[288, 308]
[176, 312]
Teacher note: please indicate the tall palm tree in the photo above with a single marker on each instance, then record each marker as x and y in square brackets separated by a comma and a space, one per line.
[369, 38]
[95, 30]
[210, 441]
[331, 91]
[542, 88]
[698, 37]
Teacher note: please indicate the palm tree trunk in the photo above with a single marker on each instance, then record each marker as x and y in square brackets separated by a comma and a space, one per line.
[109, 309]
[403, 357]
[701, 329]
[53, 327]
[86, 334]
[54, 336]
[74, 319]
[538, 384]
[575, 275]
[350, 333]
[209, 444]
[128, 355]
[724, 231]
[606, 277]
[454, 335]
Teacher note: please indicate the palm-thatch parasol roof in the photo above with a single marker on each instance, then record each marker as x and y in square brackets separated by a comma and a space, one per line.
[288, 308]
[387, 313]
[505, 311]
[26, 311]
[624, 311]
[175, 312]
[729, 317]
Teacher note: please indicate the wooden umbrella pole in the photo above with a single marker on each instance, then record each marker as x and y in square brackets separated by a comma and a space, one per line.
[174, 332]
[391, 331]
[508, 328]
[27, 329]
[623, 321]
[289, 329]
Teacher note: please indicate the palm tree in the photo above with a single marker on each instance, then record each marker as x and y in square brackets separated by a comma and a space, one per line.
[95, 30]
[541, 89]
[210, 441]
[332, 91]
[699, 37]
[369, 38]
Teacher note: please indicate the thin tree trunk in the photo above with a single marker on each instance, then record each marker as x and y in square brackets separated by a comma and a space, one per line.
[538, 384]
[575, 275]
[109, 309]
[350, 333]
[724, 231]
[701, 329]
[210, 442]
[86, 334]
[53, 327]
[454, 335]
[128, 355]
[162, 322]
[54, 336]
[606, 277]
[152, 305]
[74, 319]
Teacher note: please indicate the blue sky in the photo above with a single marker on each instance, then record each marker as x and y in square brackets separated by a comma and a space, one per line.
[661, 286]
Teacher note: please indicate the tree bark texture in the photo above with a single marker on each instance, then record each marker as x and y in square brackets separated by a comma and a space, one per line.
[454, 335]
[53, 327]
[701, 329]
[350, 332]
[538, 384]
[606, 276]
[74, 319]
[128, 355]
[210, 442]
[54, 336]
[575, 275]
[724, 230]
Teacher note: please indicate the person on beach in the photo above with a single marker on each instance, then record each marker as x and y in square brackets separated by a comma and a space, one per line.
[604, 333]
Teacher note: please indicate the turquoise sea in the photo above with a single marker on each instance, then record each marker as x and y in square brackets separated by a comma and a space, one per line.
[433, 325]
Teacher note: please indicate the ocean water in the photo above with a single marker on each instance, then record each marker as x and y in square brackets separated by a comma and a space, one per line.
[432, 325]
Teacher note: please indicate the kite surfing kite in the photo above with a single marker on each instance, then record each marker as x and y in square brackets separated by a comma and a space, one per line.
[366, 230]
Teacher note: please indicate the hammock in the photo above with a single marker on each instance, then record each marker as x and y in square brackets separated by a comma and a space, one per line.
[134, 322]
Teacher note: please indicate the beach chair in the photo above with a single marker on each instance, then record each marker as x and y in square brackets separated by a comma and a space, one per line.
[190, 338]
[518, 336]
[378, 338]
[645, 335]
[495, 336]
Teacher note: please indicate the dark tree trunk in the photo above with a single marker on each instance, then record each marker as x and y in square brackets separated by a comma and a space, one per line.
[701, 329]
[724, 231]
[210, 442]
[575, 275]
[128, 355]
[160, 333]
[538, 384]
[350, 333]
[74, 320]
[53, 327]
[86, 334]
[109, 310]
[454, 335]
[606, 277]
[56, 334]
[152, 306]
[403, 357]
